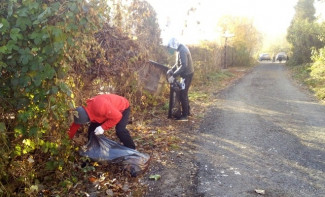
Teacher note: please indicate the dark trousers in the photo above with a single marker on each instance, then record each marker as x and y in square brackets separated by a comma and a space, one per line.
[122, 133]
[184, 95]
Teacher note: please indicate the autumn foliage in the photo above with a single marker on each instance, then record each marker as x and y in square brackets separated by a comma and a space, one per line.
[54, 54]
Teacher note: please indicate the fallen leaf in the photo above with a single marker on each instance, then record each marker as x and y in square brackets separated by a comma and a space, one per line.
[30, 159]
[237, 173]
[92, 179]
[109, 192]
[125, 187]
[155, 177]
[260, 191]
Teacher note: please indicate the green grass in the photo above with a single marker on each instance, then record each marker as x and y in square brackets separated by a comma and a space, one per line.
[302, 73]
[196, 95]
[218, 76]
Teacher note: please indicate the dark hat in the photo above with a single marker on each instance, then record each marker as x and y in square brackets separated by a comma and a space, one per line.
[82, 117]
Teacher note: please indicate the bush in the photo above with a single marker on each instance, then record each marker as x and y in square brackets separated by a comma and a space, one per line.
[317, 74]
[35, 91]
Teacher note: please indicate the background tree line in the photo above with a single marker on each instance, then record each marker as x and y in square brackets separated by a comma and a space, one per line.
[306, 37]
[54, 54]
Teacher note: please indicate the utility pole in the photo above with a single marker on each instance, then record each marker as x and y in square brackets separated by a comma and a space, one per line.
[226, 35]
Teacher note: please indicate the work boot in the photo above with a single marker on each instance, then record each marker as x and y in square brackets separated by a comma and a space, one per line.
[182, 118]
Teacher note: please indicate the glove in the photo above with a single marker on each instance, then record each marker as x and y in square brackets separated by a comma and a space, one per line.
[99, 130]
[171, 79]
[169, 72]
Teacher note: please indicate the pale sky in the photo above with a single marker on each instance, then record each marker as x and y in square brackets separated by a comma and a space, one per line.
[271, 17]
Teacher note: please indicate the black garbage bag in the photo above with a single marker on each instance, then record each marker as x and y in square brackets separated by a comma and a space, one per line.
[175, 106]
[100, 148]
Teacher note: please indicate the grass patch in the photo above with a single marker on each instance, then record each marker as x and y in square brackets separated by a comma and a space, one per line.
[301, 73]
[197, 96]
[220, 75]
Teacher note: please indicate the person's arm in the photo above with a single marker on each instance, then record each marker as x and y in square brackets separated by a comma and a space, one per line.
[171, 70]
[174, 67]
[73, 130]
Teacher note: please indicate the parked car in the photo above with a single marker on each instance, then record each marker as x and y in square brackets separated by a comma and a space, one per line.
[264, 56]
[282, 56]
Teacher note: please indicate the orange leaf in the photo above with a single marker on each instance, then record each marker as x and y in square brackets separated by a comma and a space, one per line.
[92, 179]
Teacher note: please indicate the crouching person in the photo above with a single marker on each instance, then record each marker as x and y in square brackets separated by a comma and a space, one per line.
[104, 112]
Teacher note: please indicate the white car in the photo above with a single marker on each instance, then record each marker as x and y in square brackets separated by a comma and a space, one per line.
[264, 56]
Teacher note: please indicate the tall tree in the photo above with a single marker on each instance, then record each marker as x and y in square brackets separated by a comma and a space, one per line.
[139, 20]
[246, 38]
[305, 10]
[303, 32]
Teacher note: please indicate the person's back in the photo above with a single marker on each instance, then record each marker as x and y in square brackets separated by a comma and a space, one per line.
[185, 53]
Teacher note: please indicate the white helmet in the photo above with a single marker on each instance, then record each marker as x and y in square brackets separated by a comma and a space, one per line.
[173, 43]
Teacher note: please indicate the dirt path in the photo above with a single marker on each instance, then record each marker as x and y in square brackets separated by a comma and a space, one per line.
[263, 134]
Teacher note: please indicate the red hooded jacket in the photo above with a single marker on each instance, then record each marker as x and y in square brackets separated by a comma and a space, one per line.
[105, 109]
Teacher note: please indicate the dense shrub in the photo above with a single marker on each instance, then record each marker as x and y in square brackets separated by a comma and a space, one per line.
[53, 55]
[317, 74]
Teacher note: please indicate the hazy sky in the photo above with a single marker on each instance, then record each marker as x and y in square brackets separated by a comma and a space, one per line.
[271, 17]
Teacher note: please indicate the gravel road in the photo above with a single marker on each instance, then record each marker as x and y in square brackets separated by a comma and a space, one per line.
[264, 136]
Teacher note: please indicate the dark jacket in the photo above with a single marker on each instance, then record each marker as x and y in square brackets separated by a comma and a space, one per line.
[183, 66]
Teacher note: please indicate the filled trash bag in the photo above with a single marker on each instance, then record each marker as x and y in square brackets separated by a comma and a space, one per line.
[175, 106]
[100, 148]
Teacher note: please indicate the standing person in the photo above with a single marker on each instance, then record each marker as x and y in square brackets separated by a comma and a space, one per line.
[104, 112]
[183, 68]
